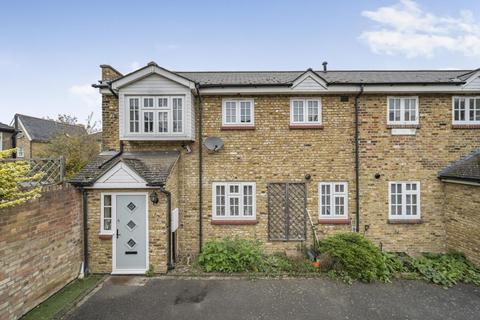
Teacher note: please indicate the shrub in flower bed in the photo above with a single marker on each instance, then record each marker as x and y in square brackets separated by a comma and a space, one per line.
[350, 256]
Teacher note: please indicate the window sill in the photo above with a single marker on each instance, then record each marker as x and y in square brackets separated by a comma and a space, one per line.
[306, 126]
[234, 222]
[238, 127]
[333, 221]
[403, 126]
[404, 221]
[105, 236]
[465, 126]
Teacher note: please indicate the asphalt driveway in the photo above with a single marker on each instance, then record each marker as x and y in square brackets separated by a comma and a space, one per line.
[154, 298]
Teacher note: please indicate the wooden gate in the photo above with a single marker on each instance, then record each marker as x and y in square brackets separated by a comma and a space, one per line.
[287, 203]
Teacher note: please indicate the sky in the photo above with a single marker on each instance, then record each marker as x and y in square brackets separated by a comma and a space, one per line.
[50, 51]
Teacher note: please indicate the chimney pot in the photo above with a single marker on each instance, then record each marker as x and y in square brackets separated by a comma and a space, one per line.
[324, 66]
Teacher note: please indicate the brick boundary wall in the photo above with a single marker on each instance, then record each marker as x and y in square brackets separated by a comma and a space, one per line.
[40, 249]
[462, 212]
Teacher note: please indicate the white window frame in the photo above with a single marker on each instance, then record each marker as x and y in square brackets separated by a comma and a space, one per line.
[155, 109]
[1, 141]
[20, 152]
[305, 111]
[467, 110]
[238, 112]
[333, 194]
[102, 213]
[402, 120]
[404, 193]
[228, 195]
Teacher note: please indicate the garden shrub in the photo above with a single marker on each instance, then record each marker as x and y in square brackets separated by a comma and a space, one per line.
[280, 264]
[350, 256]
[445, 269]
[231, 255]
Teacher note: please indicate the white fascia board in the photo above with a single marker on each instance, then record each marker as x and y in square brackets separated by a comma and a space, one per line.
[309, 74]
[474, 76]
[149, 70]
[24, 130]
[464, 182]
[337, 89]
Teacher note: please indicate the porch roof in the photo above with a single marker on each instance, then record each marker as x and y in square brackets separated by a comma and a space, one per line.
[153, 166]
[467, 169]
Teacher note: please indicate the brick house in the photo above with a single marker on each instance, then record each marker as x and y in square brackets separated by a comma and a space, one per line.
[280, 157]
[34, 134]
[6, 136]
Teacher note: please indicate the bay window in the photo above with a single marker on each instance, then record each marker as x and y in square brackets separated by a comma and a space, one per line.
[155, 114]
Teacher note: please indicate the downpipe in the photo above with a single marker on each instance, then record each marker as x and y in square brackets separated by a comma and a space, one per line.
[168, 194]
[357, 161]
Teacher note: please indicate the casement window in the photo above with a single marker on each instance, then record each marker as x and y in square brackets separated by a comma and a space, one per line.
[106, 214]
[237, 112]
[20, 152]
[404, 200]
[333, 200]
[233, 201]
[305, 111]
[466, 110]
[402, 110]
[155, 114]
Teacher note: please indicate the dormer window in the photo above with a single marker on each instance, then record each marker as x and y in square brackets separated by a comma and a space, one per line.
[159, 115]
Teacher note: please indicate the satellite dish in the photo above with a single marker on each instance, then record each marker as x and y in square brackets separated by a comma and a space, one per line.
[213, 143]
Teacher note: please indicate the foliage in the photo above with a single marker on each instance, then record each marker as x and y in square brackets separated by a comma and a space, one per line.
[277, 264]
[77, 151]
[15, 186]
[350, 256]
[231, 255]
[150, 273]
[91, 125]
[445, 269]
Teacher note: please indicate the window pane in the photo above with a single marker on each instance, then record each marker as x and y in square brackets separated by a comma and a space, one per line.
[248, 200]
[230, 112]
[107, 224]
[163, 102]
[234, 206]
[107, 212]
[107, 200]
[163, 122]
[245, 112]
[220, 200]
[177, 114]
[391, 109]
[134, 115]
[234, 188]
[148, 102]
[148, 121]
[477, 110]
[313, 111]
[325, 194]
[298, 115]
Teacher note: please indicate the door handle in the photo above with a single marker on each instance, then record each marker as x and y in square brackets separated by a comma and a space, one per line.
[118, 234]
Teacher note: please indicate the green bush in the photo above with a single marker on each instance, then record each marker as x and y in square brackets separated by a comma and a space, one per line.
[277, 264]
[350, 256]
[231, 255]
[445, 269]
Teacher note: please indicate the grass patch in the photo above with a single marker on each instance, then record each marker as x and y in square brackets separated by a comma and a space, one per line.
[63, 300]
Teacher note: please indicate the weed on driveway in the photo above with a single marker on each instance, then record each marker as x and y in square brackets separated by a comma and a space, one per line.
[157, 298]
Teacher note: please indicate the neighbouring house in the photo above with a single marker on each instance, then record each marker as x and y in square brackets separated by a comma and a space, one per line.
[6, 136]
[462, 205]
[97, 137]
[34, 134]
[193, 156]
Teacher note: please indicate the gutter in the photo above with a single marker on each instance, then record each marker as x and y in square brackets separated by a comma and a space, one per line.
[168, 194]
[200, 170]
[357, 161]
[85, 270]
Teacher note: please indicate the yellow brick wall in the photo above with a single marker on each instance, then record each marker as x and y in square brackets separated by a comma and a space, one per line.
[462, 213]
[100, 250]
[273, 152]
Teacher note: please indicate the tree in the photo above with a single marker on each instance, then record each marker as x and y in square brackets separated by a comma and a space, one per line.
[76, 150]
[16, 186]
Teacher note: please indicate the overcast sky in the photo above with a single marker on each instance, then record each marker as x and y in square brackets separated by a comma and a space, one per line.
[50, 50]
